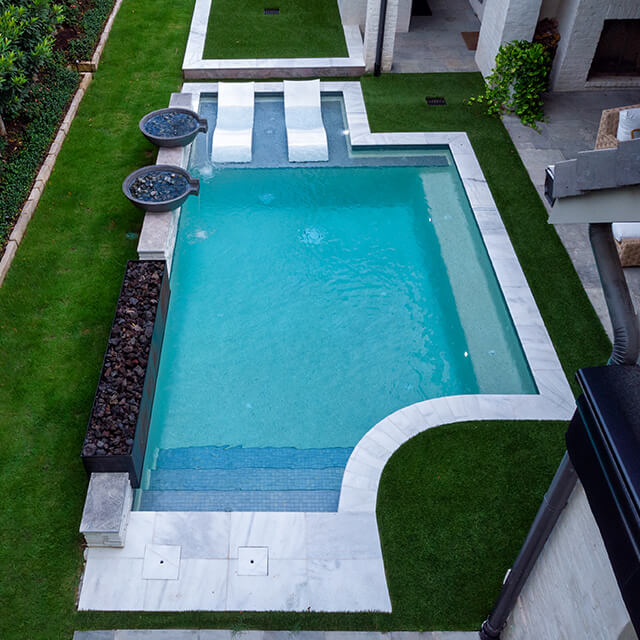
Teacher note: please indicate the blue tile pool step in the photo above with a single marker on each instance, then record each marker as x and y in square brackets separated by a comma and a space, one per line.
[245, 479]
[239, 501]
[259, 457]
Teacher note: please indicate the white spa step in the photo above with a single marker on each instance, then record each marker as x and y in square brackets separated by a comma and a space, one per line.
[233, 135]
[306, 135]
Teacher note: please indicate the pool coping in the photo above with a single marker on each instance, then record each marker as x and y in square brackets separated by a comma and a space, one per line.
[196, 67]
[320, 561]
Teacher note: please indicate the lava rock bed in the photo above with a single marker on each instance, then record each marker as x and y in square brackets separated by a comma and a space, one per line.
[159, 186]
[170, 125]
[113, 421]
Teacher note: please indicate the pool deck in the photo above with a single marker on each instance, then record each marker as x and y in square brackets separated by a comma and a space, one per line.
[175, 561]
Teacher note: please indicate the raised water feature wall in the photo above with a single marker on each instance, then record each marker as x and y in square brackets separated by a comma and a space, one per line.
[116, 437]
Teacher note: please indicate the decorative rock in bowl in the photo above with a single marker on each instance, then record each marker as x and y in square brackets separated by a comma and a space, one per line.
[173, 127]
[159, 187]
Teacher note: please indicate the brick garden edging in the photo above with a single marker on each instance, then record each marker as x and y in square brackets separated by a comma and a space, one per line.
[40, 182]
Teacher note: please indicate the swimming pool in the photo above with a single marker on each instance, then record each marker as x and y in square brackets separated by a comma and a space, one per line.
[307, 304]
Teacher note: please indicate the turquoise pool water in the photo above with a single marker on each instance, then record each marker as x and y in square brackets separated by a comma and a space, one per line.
[308, 304]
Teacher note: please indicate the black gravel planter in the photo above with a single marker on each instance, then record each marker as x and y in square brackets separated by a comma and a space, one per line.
[116, 437]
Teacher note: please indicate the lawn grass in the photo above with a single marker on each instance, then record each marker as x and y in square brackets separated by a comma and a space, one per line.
[240, 29]
[454, 506]
[56, 307]
[55, 312]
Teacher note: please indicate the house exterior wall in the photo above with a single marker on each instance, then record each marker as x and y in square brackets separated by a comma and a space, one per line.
[478, 7]
[503, 21]
[404, 15]
[572, 591]
[580, 23]
[353, 12]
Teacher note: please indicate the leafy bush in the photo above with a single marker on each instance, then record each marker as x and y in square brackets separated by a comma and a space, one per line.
[516, 84]
[26, 43]
[38, 109]
[44, 107]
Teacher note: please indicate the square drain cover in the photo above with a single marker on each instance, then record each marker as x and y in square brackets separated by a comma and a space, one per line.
[161, 562]
[253, 561]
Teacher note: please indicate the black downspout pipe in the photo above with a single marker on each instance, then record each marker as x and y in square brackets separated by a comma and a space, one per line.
[380, 43]
[626, 336]
[626, 349]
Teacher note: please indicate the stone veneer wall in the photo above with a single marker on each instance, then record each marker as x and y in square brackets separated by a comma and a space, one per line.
[355, 12]
[572, 591]
[371, 34]
[580, 23]
[503, 21]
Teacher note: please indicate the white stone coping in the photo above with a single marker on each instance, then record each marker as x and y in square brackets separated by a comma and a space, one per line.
[194, 61]
[326, 562]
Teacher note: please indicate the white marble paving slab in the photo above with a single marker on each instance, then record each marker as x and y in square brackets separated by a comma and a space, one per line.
[202, 585]
[103, 587]
[200, 534]
[253, 561]
[284, 589]
[161, 562]
[283, 533]
[332, 536]
[357, 580]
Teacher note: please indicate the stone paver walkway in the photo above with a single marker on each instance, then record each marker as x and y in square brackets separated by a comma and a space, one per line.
[572, 126]
[433, 43]
[227, 634]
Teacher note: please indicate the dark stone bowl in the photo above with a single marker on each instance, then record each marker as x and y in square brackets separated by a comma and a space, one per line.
[193, 186]
[201, 124]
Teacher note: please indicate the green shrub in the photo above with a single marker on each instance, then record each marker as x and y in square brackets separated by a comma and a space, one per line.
[43, 108]
[26, 44]
[91, 25]
[516, 84]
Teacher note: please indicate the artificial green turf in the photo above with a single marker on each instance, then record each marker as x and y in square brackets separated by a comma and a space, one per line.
[302, 29]
[454, 506]
[55, 312]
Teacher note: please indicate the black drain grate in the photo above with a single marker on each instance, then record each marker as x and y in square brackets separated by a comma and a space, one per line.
[271, 12]
[435, 101]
